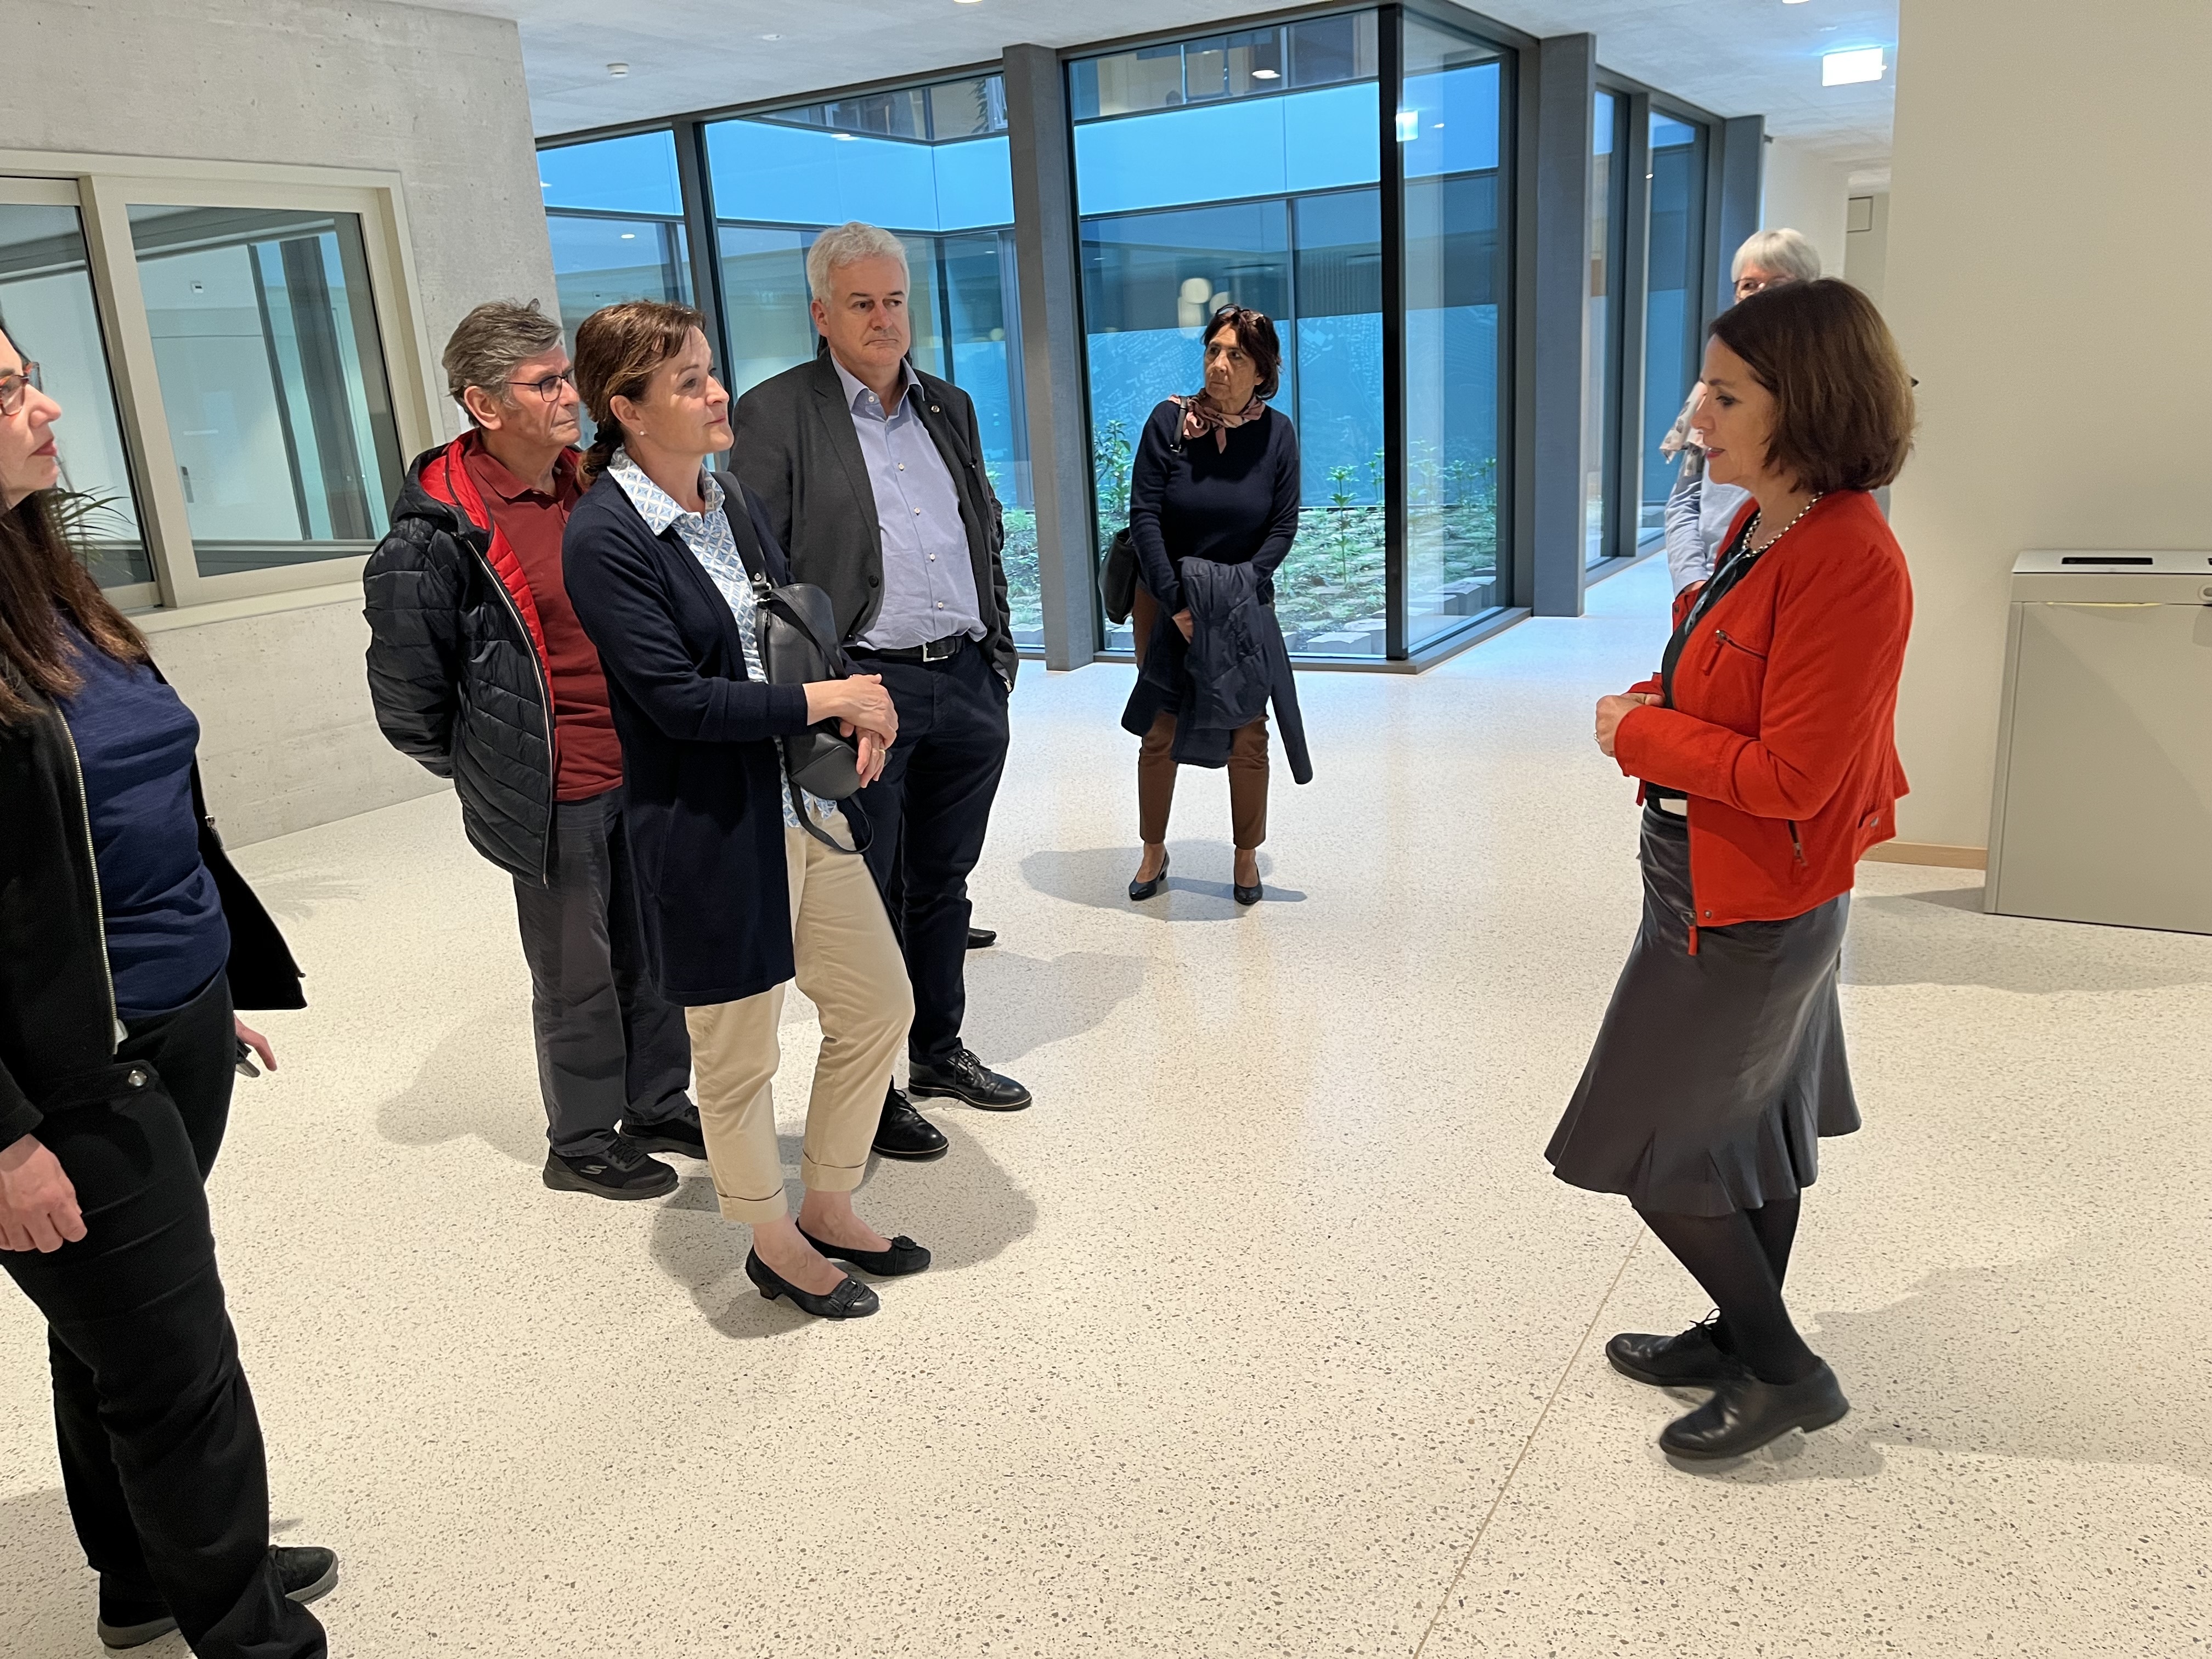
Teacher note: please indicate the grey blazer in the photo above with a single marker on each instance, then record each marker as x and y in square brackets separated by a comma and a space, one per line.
[798, 453]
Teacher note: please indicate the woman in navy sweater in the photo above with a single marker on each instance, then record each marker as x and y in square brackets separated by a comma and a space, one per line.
[1216, 478]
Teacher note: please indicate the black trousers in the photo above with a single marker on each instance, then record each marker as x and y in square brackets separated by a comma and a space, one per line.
[609, 1048]
[161, 1451]
[929, 814]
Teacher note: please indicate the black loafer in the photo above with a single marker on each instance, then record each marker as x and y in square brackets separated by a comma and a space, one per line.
[1247, 896]
[621, 1171]
[901, 1132]
[983, 938]
[904, 1256]
[1144, 890]
[850, 1300]
[680, 1135]
[964, 1077]
[1689, 1359]
[305, 1574]
[1745, 1414]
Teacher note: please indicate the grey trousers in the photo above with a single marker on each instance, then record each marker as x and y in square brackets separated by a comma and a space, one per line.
[609, 1048]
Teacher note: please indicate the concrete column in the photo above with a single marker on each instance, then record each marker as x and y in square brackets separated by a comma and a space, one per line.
[1558, 87]
[1041, 152]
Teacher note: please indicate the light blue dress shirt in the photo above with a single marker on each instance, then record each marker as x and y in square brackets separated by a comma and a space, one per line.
[708, 536]
[929, 584]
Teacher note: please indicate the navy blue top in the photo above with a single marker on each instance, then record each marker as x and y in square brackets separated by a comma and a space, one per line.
[135, 741]
[1196, 499]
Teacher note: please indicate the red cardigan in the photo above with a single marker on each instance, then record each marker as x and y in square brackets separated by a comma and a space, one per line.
[1782, 732]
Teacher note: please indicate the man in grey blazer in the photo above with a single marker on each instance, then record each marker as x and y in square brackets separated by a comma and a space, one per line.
[872, 476]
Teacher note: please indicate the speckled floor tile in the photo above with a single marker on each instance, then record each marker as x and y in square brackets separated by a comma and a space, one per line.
[1239, 1342]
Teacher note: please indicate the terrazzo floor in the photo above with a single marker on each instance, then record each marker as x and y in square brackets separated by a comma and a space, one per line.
[1267, 1331]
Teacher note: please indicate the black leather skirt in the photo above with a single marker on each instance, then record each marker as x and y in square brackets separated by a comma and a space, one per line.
[1714, 1075]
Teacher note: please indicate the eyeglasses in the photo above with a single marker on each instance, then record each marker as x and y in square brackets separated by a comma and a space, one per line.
[550, 387]
[1748, 286]
[13, 386]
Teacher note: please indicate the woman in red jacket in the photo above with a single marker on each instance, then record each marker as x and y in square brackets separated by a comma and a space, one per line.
[1764, 745]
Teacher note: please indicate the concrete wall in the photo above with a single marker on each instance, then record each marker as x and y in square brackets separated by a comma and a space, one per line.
[1807, 195]
[2066, 388]
[437, 97]
[1866, 252]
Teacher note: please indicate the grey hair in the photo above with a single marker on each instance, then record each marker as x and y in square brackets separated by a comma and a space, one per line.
[1785, 252]
[848, 244]
[491, 341]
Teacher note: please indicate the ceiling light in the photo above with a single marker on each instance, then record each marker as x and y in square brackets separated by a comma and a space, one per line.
[1844, 69]
[618, 69]
[1266, 75]
[771, 37]
[544, 184]
[629, 236]
[845, 137]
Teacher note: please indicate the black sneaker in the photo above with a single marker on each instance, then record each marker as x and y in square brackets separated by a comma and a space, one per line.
[306, 1574]
[901, 1132]
[621, 1171]
[680, 1135]
[964, 1077]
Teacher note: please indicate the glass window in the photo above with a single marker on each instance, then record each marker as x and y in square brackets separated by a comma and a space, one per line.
[930, 163]
[1450, 136]
[1602, 399]
[272, 381]
[1330, 49]
[47, 308]
[615, 217]
[1674, 313]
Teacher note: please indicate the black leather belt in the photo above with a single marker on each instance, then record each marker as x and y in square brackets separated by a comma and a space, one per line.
[942, 650]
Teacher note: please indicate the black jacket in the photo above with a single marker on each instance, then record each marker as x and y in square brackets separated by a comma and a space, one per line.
[702, 796]
[57, 1024]
[457, 665]
[799, 457]
[1234, 665]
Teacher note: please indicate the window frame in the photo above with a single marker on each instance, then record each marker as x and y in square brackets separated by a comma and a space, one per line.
[103, 188]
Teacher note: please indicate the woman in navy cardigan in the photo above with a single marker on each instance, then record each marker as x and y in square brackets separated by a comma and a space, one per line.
[744, 881]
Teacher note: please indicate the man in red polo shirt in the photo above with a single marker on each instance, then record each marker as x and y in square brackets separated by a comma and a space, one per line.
[480, 669]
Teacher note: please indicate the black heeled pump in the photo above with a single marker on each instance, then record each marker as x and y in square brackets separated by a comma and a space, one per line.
[850, 1300]
[1145, 890]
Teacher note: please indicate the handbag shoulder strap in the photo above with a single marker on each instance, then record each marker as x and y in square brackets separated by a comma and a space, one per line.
[737, 508]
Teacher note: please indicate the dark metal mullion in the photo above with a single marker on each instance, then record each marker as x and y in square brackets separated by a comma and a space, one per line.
[276, 383]
[1614, 460]
[1389, 76]
[1635, 305]
[944, 305]
[696, 187]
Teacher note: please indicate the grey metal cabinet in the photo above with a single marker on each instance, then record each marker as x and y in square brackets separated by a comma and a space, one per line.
[2103, 806]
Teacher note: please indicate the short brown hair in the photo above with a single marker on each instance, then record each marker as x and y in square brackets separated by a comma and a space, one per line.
[490, 343]
[1843, 410]
[1255, 337]
[617, 349]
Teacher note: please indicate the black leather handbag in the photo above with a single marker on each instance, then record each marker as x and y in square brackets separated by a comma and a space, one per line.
[1117, 577]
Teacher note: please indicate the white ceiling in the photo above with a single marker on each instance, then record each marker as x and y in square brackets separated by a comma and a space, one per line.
[1731, 57]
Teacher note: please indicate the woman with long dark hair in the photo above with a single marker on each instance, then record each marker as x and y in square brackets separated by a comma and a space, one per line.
[124, 930]
[1766, 752]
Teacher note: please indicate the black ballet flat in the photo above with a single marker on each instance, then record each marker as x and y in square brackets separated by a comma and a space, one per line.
[850, 1300]
[1746, 1413]
[1251, 895]
[1145, 890]
[904, 1256]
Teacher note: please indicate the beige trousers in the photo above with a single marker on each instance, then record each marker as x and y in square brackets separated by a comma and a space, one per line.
[849, 964]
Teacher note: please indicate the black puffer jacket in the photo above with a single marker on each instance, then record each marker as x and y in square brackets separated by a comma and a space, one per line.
[457, 661]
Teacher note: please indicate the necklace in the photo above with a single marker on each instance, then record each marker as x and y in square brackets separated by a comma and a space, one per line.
[1750, 530]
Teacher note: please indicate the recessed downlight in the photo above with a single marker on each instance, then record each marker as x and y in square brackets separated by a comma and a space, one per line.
[618, 69]
[1849, 68]
[1266, 75]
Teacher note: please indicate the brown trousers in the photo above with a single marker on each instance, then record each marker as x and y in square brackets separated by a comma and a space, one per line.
[1156, 761]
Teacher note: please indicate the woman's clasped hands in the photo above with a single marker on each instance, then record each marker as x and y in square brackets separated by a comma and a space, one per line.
[1611, 711]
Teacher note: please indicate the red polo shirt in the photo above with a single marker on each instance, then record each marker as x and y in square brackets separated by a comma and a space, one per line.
[588, 756]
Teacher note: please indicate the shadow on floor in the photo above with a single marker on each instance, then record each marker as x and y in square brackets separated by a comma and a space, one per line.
[297, 896]
[50, 1595]
[963, 1207]
[1018, 1004]
[1100, 876]
[480, 1080]
[1942, 937]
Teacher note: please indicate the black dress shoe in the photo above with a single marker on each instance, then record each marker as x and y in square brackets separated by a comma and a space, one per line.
[1689, 1359]
[904, 1256]
[901, 1132]
[672, 1134]
[983, 938]
[1745, 1414]
[305, 1574]
[964, 1077]
[850, 1300]
[1247, 896]
[621, 1171]
[1145, 890]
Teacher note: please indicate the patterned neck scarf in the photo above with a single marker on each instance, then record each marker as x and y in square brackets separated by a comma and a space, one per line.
[1200, 417]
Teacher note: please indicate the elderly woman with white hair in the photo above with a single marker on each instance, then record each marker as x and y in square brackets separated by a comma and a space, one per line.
[1699, 510]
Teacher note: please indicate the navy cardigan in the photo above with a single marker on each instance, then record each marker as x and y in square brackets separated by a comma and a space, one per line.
[703, 797]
